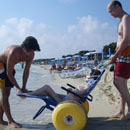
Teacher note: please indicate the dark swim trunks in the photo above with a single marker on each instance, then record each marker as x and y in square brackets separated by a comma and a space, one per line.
[4, 76]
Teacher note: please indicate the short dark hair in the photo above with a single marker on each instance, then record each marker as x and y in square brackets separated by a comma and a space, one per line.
[30, 43]
[115, 2]
[95, 73]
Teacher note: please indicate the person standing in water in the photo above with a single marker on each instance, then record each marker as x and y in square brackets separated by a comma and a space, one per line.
[8, 59]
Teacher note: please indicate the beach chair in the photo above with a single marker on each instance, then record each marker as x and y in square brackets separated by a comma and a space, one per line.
[68, 115]
[73, 74]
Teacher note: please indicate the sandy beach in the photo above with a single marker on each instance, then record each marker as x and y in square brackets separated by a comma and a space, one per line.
[105, 103]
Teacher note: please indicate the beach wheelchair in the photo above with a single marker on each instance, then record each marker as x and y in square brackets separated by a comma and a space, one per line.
[68, 115]
[71, 115]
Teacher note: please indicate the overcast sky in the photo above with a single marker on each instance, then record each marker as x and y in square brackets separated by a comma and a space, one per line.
[61, 26]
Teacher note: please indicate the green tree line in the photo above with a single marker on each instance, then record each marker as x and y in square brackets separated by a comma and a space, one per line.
[81, 53]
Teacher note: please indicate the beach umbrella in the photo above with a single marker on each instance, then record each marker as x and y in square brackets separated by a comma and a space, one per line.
[78, 59]
[109, 52]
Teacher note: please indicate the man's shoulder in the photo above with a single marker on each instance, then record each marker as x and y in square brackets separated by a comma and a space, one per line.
[14, 49]
[126, 17]
[126, 20]
[10, 49]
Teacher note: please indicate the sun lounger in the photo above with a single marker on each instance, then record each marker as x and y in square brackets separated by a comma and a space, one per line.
[73, 74]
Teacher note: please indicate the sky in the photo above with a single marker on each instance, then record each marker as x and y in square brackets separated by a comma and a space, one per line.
[62, 27]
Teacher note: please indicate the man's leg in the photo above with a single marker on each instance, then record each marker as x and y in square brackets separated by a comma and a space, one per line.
[122, 108]
[121, 113]
[6, 107]
[121, 85]
[1, 114]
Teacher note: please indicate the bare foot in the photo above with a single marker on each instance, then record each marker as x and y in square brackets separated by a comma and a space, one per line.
[3, 122]
[127, 116]
[14, 125]
[118, 115]
[122, 117]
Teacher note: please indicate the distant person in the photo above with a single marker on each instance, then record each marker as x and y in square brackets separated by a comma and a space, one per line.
[122, 57]
[8, 58]
[64, 64]
[96, 62]
[59, 68]
[53, 67]
[73, 66]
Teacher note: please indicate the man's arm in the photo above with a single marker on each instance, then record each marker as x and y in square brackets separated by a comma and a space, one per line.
[125, 39]
[10, 68]
[26, 72]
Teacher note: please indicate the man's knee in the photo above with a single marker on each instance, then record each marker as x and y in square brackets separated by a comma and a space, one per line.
[118, 81]
[5, 101]
[5, 93]
[5, 97]
[115, 81]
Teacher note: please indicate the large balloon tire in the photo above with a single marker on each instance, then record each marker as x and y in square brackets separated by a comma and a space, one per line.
[85, 106]
[69, 116]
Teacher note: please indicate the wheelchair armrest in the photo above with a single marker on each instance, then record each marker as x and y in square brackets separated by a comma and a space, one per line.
[82, 98]
[71, 86]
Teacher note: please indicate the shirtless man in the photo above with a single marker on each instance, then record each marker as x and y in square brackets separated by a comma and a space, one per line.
[121, 56]
[8, 58]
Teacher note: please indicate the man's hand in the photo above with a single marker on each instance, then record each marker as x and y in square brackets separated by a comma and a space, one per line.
[18, 91]
[24, 90]
[112, 60]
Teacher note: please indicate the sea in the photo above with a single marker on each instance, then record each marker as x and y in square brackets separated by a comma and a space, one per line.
[23, 110]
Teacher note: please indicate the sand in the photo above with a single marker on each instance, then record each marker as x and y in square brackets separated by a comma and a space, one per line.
[105, 103]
